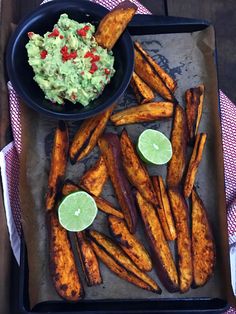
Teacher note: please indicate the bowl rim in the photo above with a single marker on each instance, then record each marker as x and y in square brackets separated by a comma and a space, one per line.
[32, 103]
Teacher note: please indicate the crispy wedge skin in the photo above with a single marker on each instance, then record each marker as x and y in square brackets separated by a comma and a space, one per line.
[120, 257]
[144, 113]
[194, 104]
[107, 207]
[165, 265]
[58, 165]
[176, 165]
[103, 205]
[109, 145]
[114, 23]
[141, 90]
[129, 243]
[167, 79]
[63, 268]
[88, 260]
[87, 136]
[164, 210]
[135, 169]
[95, 178]
[117, 268]
[150, 76]
[194, 163]
[82, 137]
[203, 245]
[69, 187]
[185, 266]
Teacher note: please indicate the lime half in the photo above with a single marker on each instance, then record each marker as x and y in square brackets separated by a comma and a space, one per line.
[77, 211]
[154, 147]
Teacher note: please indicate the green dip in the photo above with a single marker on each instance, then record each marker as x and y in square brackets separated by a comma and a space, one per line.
[68, 63]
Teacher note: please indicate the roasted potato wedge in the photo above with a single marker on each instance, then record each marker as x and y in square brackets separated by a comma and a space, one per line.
[129, 243]
[103, 205]
[88, 260]
[62, 263]
[194, 163]
[117, 268]
[120, 257]
[114, 23]
[203, 245]
[142, 91]
[69, 187]
[165, 265]
[107, 207]
[150, 76]
[58, 165]
[185, 266]
[164, 210]
[95, 178]
[88, 134]
[135, 169]
[194, 104]
[176, 165]
[109, 145]
[166, 78]
[144, 113]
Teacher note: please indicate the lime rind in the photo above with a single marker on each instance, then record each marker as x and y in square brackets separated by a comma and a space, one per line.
[154, 147]
[77, 211]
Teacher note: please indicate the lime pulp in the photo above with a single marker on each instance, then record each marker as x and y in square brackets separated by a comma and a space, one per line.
[77, 211]
[154, 147]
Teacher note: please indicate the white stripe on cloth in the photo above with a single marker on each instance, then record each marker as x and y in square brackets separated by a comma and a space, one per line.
[8, 157]
[111, 4]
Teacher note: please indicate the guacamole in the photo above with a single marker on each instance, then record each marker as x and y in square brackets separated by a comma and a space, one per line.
[68, 63]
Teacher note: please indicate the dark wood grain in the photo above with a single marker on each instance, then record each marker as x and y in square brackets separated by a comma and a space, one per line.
[223, 16]
[155, 6]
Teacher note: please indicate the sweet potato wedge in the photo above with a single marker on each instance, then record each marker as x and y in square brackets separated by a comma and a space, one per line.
[95, 178]
[203, 245]
[194, 104]
[103, 205]
[165, 265]
[176, 165]
[150, 76]
[114, 23]
[88, 260]
[62, 264]
[120, 257]
[185, 266]
[135, 169]
[87, 136]
[58, 165]
[164, 210]
[144, 113]
[129, 243]
[109, 145]
[194, 163]
[107, 207]
[142, 91]
[117, 268]
[69, 187]
[166, 78]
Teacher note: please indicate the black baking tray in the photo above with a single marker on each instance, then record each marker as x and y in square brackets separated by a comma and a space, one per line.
[140, 25]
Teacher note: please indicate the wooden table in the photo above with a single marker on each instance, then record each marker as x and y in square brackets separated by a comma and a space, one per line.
[221, 13]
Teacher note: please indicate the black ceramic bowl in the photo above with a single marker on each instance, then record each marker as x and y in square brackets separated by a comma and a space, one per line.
[42, 20]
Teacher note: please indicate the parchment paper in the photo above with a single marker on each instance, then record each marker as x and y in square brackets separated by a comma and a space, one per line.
[189, 58]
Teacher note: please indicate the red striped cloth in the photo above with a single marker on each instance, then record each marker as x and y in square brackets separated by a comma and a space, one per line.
[10, 162]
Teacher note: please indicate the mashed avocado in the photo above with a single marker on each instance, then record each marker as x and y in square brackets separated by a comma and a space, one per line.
[68, 63]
